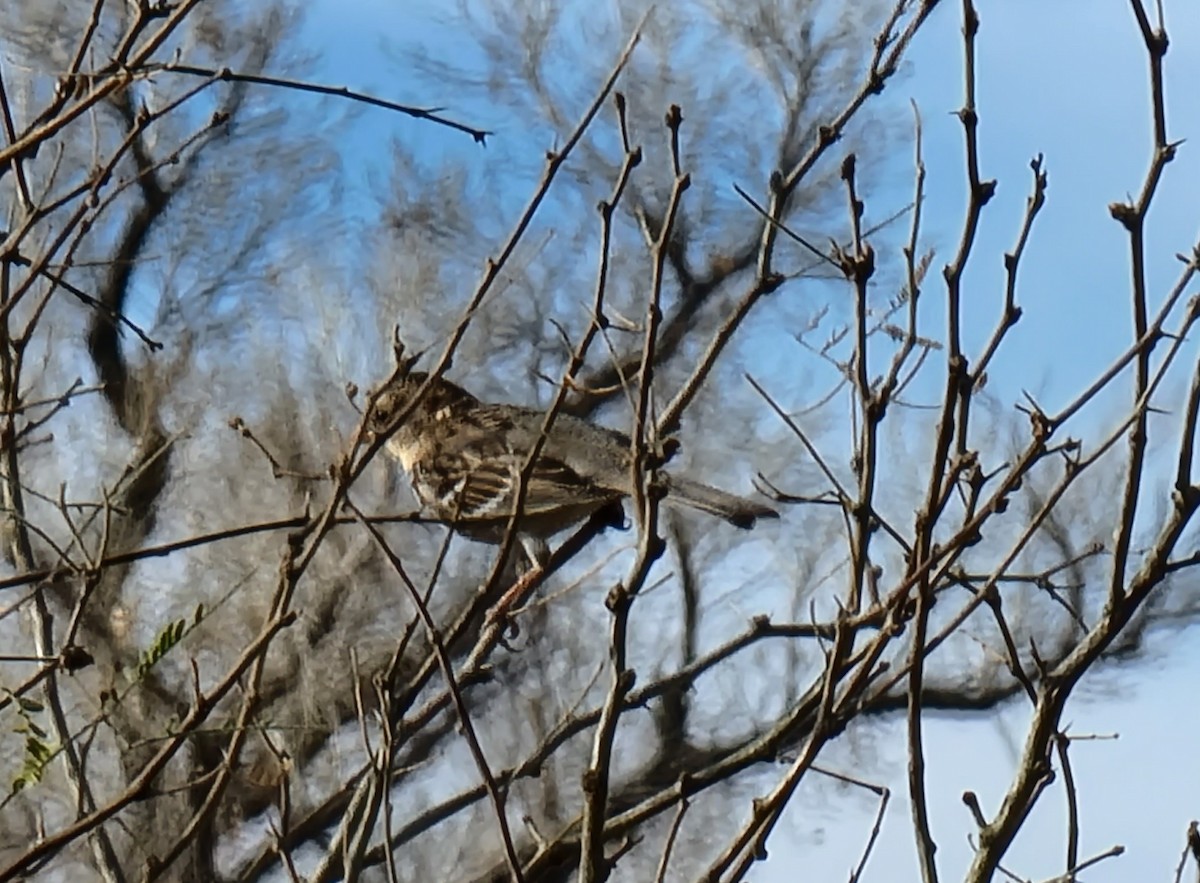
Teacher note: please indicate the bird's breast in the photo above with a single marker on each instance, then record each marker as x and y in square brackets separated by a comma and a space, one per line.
[406, 451]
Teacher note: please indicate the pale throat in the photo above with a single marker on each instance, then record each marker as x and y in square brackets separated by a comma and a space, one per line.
[409, 449]
[404, 450]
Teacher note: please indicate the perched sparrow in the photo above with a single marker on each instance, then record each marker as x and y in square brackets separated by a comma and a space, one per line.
[464, 458]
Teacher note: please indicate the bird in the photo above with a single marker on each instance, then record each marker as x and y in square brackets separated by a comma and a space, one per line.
[464, 457]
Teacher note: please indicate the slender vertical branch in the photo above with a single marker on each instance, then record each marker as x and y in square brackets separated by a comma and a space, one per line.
[858, 268]
[595, 866]
[1133, 218]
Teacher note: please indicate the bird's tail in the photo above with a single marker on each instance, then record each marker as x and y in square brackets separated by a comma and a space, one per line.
[736, 510]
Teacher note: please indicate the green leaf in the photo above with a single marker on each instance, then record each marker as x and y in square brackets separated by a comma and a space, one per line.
[165, 641]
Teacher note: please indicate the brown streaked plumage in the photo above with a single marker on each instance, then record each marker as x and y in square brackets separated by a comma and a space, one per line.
[464, 457]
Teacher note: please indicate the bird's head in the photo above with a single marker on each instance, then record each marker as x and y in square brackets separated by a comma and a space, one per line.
[413, 398]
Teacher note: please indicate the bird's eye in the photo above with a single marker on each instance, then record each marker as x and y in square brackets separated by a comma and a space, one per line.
[381, 415]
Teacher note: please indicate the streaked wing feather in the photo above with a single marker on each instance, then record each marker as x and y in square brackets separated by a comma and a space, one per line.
[554, 484]
[475, 480]
[488, 492]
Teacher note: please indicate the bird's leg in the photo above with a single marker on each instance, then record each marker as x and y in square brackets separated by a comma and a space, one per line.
[537, 553]
[528, 569]
[500, 610]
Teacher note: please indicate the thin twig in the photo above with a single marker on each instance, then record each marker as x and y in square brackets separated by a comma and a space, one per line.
[431, 114]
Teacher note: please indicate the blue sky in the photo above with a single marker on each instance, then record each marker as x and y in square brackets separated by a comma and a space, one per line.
[1068, 79]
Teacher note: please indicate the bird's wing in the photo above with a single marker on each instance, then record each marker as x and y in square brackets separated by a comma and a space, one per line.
[552, 486]
[596, 455]
[480, 485]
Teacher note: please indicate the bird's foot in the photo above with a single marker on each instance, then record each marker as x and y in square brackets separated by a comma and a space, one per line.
[502, 615]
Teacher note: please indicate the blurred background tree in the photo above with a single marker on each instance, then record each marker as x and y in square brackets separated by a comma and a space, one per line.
[217, 666]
